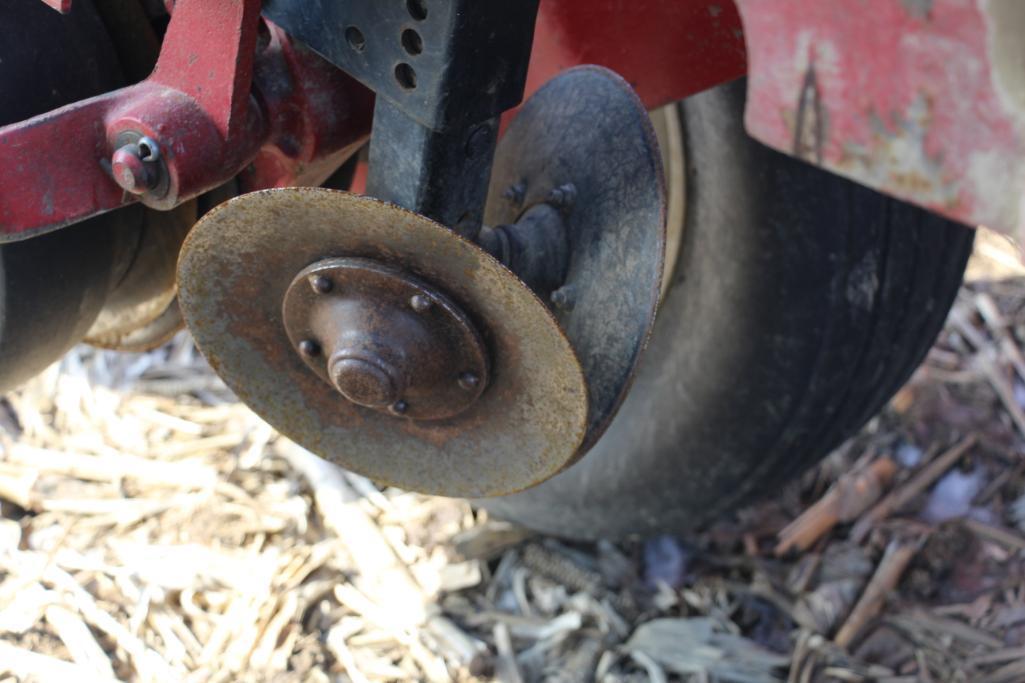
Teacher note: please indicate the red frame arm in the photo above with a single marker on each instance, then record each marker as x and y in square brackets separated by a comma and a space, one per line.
[199, 108]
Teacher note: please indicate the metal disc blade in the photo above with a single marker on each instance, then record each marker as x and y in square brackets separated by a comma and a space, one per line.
[588, 128]
[234, 271]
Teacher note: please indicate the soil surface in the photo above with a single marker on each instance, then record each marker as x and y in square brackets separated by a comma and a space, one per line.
[152, 528]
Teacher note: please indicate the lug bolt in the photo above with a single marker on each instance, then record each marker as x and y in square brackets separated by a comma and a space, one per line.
[469, 381]
[563, 196]
[564, 297]
[321, 284]
[420, 303]
[309, 348]
[516, 193]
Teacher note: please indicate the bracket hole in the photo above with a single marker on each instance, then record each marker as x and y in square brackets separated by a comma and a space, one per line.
[406, 76]
[357, 41]
[412, 41]
[417, 9]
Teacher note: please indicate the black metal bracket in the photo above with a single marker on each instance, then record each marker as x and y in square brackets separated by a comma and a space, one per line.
[444, 71]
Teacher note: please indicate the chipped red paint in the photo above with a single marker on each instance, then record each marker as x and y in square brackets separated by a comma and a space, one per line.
[208, 54]
[310, 117]
[195, 105]
[62, 6]
[199, 106]
[320, 116]
[906, 96]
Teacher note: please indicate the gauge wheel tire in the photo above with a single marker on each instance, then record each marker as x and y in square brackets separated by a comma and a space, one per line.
[53, 286]
[798, 304]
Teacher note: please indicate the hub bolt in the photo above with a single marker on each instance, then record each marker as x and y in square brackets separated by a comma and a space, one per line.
[321, 284]
[134, 166]
[365, 381]
[563, 196]
[564, 297]
[516, 193]
[420, 303]
[309, 348]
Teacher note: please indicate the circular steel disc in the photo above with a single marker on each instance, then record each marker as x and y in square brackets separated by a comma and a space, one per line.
[235, 269]
[588, 128]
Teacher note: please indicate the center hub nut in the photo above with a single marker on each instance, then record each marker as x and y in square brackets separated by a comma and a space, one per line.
[368, 382]
[384, 339]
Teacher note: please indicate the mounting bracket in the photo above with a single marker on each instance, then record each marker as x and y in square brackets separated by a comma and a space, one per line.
[444, 71]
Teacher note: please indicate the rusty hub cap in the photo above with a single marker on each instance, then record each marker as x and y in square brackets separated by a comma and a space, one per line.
[385, 339]
[386, 290]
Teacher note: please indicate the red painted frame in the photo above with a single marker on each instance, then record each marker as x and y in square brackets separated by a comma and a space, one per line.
[922, 100]
[217, 103]
[666, 49]
[300, 118]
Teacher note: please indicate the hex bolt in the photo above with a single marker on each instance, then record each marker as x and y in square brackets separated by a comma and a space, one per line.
[134, 166]
[564, 297]
[321, 284]
[420, 303]
[563, 196]
[516, 193]
[399, 407]
[130, 171]
[469, 381]
[309, 348]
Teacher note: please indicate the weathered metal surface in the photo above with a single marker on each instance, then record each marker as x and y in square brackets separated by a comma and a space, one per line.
[588, 129]
[235, 269]
[56, 166]
[320, 116]
[921, 99]
[665, 49]
[199, 110]
[208, 53]
[53, 164]
[440, 174]
[536, 247]
[443, 64]
[385, 339]
[443, 72]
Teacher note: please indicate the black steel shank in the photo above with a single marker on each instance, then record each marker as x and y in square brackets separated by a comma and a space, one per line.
[443, 70]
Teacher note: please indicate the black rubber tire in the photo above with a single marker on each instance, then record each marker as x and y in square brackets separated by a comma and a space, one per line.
[52, 287]
[800, 303]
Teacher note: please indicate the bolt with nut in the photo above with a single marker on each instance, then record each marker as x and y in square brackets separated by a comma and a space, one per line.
[136, 166]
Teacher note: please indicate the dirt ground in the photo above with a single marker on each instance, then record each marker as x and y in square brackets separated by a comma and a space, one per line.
[154, 529]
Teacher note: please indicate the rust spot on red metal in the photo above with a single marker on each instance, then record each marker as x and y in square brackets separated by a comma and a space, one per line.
[916, 98]
[56, 166]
